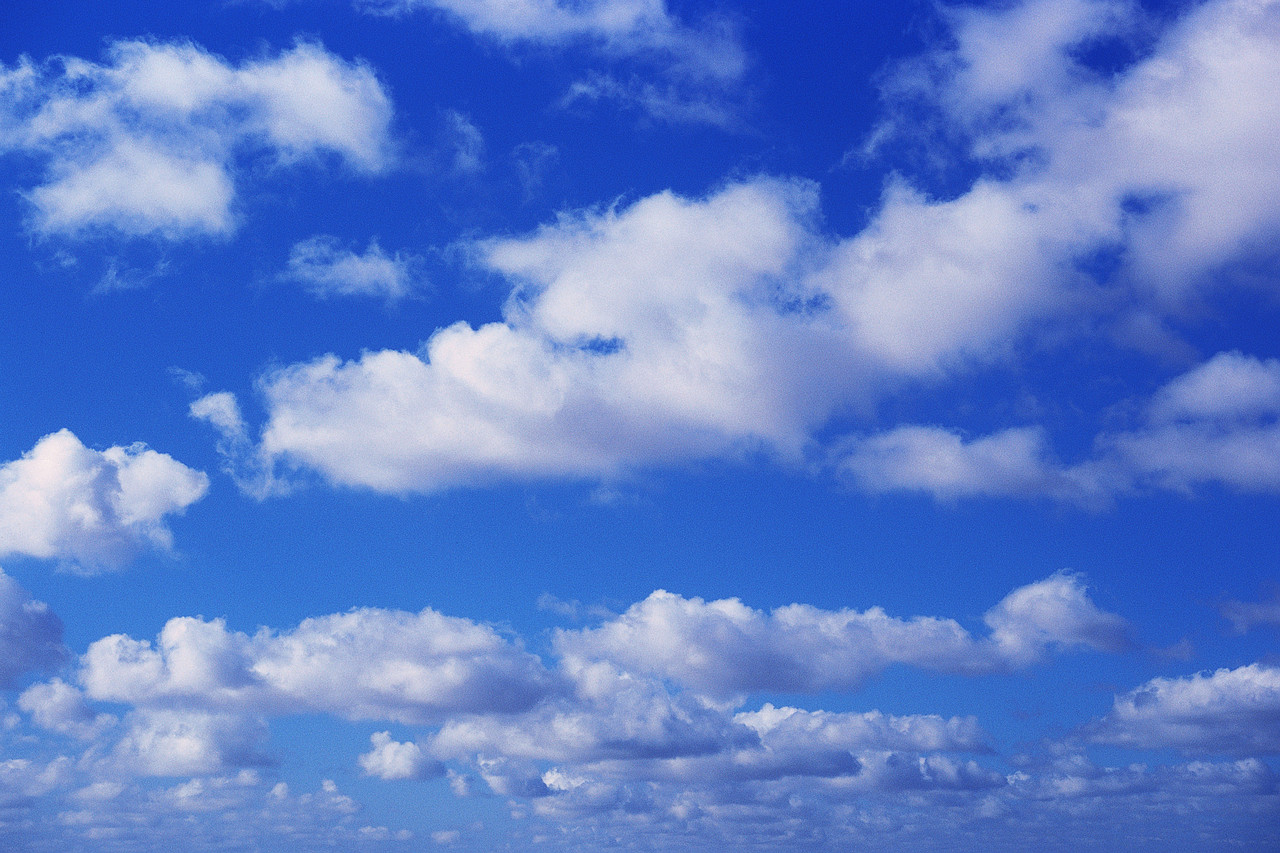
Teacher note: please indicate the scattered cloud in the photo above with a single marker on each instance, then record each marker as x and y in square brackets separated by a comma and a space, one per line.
[678, 328]
[1244, 615]
[148, 142]
[326, 270]
[93, 510]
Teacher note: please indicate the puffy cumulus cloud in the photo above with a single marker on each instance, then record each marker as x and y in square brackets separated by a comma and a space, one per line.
[160, 742]
[1230, 710]
[391, 759]
[1218, 423]
[147, 142]
[364, 664]
[91, 509]
[608, 715]
[724, 647]
[653, 333]
[61, 707]
[321, 266]
[30, 633]
[678, 328]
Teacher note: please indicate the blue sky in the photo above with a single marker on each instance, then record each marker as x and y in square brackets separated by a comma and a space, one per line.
[628, 424]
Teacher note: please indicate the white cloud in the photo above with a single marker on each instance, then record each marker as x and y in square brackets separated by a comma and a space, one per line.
[149, 141]
[1217, 423]
[391, 759]
[30, 633]
[327, 270]
[1230, 710]
[364, 664]
[621, 27]
[675, 328]
[725, 648]
[161, 742]
[936, 460]
[92, 509]
[60, 707]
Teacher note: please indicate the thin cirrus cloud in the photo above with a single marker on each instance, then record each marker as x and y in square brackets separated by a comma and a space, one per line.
[325, 269]
[679, 328]
[673, 72]
[149, 142]
[622, 27]
[91, 510]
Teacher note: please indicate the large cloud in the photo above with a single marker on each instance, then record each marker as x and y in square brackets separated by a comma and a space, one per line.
[724, 647]
[92, 509]
[148, 142]
[676, 328]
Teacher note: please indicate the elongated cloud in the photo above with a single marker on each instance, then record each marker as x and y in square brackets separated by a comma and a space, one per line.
[725, 648]
[678, 328]
[325, 269]
[148, 141]
[365, 664]
[1217, 423]
[91, 509]
[620, 27]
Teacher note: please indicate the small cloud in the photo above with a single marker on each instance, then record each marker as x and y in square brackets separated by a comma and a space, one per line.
[327, 270]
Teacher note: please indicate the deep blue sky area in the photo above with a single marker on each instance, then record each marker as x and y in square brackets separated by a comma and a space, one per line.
[639, 424]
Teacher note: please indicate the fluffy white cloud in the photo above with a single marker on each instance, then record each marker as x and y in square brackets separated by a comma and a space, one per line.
[161, 742]
[147, 142]
[677, 328]
[30, 633]
[725, 648]
[60, 707]
[1230, 710]
[936, 460]
[1219, 422]
[326, 270]
[364, 664]
[92, 509]
[391, 759]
